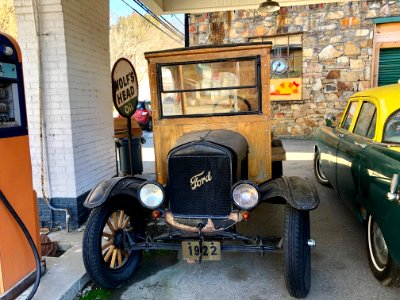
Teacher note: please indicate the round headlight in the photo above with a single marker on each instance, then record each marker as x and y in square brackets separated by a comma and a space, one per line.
[245, 195]
[151, 194]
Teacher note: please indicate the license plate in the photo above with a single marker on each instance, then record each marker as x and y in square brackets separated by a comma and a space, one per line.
[210, 250]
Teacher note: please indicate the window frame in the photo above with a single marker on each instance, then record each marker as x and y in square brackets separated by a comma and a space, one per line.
[257, 86]
[374, 116]
[385, 126]
[349, 105]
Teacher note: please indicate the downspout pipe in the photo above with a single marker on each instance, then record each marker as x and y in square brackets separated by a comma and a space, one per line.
[43, 140]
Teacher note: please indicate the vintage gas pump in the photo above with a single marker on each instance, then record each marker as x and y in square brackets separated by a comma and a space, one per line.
[17, 263]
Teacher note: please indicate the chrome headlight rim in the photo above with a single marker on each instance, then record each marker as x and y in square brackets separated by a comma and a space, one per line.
[159, 186]
[245, 182]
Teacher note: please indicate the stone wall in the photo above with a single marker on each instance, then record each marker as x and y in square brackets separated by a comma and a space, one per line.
[337, 52]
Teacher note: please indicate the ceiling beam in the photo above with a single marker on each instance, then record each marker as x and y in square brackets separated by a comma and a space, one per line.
[165, 7]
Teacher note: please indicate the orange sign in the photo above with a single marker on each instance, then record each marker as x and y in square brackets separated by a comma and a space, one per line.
[286, 89]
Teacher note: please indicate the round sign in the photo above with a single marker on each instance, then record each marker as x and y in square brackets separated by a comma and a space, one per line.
[125, 87]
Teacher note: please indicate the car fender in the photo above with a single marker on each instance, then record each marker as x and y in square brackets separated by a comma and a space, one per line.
[298, 192]
[111, 187]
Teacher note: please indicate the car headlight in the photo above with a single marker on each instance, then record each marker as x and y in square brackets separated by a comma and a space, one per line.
[151, 194]
[245, 195]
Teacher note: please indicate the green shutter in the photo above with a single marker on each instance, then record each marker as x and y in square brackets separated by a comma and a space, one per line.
[389, 66]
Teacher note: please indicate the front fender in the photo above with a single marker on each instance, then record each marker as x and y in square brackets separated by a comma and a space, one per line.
[111, 187]
[298, 192]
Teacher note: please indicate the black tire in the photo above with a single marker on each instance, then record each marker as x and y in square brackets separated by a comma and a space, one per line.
[101, 268]
[321, 178]
[150, 125]
[381, 263]
[297, 253]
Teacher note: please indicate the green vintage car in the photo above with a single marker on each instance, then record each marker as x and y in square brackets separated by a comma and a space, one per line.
[360, 159]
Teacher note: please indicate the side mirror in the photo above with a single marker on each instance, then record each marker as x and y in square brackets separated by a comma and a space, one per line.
[330, 120]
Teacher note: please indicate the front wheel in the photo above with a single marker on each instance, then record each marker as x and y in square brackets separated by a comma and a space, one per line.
[297, 253]
[150, 125]
[381, 263]
[106, 260]
[321, 178]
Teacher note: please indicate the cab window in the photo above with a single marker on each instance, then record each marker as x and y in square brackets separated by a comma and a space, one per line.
[349, 115]
[220, 87]
[392, 129]
[366, 121]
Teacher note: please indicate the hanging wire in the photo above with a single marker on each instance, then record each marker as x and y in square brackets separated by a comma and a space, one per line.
[178, 31]
[161, 20]
[135, 10]
[179, 20]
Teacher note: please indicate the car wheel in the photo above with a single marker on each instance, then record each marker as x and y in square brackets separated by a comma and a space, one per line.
[297, 253]
[321, 178]
[150, 125]
[106, 261]
[381, 263]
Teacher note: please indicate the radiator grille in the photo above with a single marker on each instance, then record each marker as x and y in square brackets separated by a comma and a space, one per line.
[200, 181]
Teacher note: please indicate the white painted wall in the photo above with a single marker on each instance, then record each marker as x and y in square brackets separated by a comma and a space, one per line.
[87, 39]
[76, 92]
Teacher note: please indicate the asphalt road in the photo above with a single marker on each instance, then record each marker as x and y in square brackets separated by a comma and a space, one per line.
[339, 261]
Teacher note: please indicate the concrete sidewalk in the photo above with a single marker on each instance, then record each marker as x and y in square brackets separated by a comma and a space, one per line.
[65, 275]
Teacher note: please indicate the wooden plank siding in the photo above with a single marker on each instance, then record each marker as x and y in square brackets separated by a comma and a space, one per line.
[255, 127]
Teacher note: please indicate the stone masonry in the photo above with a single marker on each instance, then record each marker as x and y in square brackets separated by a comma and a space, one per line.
[337, 52]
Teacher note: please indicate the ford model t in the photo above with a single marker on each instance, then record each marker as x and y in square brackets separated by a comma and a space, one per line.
[214, 165]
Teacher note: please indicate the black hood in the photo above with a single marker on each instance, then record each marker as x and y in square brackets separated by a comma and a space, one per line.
[230, 139]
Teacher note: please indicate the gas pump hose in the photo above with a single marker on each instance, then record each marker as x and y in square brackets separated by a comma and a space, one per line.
[30, 240]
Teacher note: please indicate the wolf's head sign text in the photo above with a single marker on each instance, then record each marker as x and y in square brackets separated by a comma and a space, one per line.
[124, 87]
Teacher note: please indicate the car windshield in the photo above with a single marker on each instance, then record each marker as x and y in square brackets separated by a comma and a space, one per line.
[210, 87]
[140, 105]
[392, 129]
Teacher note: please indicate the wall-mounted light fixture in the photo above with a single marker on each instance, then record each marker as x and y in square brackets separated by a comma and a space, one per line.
[269, 6]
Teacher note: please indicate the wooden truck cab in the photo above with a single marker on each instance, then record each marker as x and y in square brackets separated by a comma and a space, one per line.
[208, 88]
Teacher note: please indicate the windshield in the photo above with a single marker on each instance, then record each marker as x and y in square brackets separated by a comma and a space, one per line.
[392, 129]
[210, 87]
[140, 105]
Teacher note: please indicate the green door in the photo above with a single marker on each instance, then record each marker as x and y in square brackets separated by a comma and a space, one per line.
[389, 66]
[350, 150]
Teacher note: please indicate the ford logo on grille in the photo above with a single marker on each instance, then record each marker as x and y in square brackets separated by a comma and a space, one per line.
[198, 180]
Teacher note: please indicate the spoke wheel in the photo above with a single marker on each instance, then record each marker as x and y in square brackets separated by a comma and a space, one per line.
[242, 104]
[105, 255]
[111, 243]
[321, 178]
[380, 261]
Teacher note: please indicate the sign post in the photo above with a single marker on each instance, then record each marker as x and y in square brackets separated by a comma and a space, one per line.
[125, 95]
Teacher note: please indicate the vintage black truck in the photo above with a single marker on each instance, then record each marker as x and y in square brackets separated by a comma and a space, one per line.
[216, 162]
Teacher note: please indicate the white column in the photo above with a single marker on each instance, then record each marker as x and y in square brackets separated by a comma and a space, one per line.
[72, 42]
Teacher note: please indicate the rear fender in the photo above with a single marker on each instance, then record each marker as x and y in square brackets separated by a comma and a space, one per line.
[298, 192]
[111, 187]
